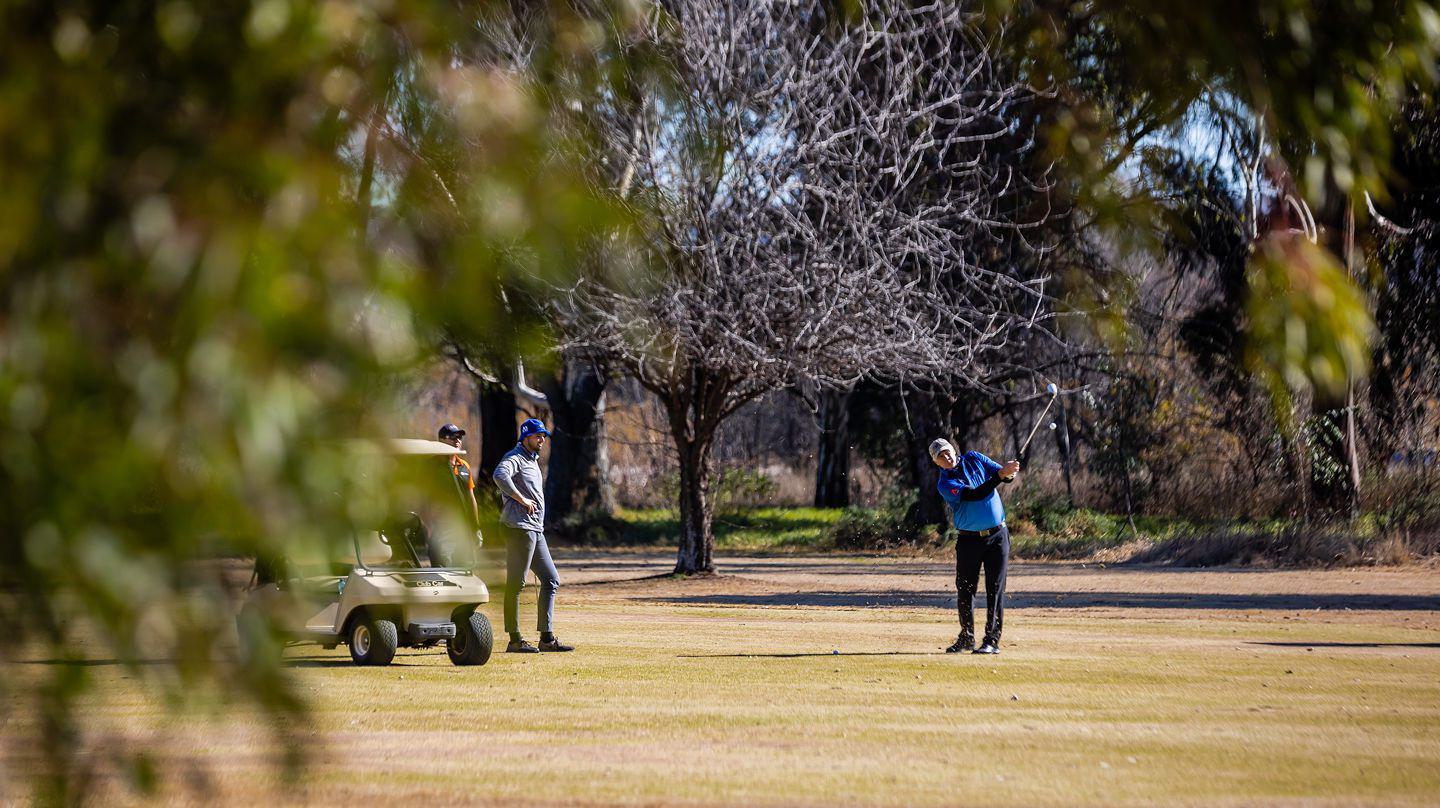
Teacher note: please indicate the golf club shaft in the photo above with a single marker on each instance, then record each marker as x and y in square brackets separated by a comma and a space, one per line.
[1038, 422]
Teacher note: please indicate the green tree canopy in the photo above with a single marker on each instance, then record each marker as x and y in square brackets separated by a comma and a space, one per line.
[1324, 82]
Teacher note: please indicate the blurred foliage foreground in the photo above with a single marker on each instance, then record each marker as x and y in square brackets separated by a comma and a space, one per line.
[215, 247]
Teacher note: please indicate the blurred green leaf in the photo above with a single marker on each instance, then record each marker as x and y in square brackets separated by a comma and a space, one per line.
[226, 227]
[1310, 326]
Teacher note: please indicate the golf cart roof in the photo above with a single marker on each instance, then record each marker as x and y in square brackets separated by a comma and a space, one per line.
[406, 446]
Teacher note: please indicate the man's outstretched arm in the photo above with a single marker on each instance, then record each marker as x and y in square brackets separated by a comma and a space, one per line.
[981, 491]
[955, 491]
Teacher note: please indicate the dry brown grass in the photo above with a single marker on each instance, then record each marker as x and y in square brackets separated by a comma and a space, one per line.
[1116, 687]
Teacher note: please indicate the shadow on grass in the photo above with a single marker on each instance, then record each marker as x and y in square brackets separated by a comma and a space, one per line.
[331, 662]
[660, 576]
[802, 656]
[1349, 644]
[1075, 600]
[755, 562]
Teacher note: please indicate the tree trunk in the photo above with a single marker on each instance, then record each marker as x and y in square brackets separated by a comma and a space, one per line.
[1352, 450]
[367, 174]
[1010, 415]
[832, 472]
[497, 425]
[577, 479]
[1352, 440]
[697, 541]
[695, 411]
[1292, 453]
[926, 424]
[1062, 443]
[1129, 498]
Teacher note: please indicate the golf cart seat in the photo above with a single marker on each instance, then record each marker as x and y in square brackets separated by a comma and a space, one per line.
[375, 550]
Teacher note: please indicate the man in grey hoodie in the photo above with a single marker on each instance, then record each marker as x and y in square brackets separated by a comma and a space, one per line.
[518, 476]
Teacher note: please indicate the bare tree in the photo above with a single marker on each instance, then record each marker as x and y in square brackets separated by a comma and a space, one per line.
[811, 191]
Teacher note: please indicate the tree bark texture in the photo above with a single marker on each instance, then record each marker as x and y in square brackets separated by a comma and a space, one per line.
[697, 539]
[832, 472]
[577, 479]
[497, 425]
[1062, 446]
[926, 424]
[1352, 438]
[695, 410]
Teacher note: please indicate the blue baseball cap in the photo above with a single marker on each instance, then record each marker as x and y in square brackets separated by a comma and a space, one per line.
[533, 426]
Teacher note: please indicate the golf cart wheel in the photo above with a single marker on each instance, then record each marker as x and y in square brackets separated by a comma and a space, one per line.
[473, 640]
[373, 640]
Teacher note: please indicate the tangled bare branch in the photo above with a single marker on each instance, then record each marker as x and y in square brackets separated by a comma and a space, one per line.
[821, 196]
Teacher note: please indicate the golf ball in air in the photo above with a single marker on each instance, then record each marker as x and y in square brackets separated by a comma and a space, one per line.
[1051, 388]
[1052, 424]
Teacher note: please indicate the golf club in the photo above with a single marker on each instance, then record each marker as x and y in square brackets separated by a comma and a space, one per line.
[1053, 391]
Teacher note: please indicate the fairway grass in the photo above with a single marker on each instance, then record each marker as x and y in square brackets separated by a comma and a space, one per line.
[671, 703]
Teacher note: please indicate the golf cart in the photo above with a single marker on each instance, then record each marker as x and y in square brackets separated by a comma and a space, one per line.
[412, 583]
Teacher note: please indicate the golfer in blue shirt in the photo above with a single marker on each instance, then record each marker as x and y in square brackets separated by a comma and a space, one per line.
[968, 483]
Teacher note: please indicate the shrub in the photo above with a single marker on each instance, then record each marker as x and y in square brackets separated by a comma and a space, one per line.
[1047, 527]
[1053, 516]
[1402, 522]
[882, 528]
[730, 488]
[1405, 507]
[594, 528]
[1298, 546]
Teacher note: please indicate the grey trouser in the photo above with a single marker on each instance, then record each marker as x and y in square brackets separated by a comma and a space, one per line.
[526, 549]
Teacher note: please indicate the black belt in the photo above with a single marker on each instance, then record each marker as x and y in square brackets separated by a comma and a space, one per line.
[982, 534]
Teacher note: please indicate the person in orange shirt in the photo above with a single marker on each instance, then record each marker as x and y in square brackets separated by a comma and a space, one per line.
[459, 469]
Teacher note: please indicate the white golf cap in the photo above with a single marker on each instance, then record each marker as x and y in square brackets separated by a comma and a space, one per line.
[939, 445]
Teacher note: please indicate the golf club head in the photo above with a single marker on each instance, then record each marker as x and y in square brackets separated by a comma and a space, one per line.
[1051, 388]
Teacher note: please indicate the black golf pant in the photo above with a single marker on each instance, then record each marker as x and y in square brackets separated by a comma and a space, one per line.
[993, 553]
